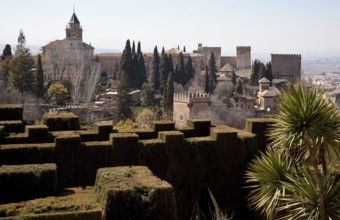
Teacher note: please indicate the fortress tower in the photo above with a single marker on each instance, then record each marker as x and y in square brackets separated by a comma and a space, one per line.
[243, 57]
[191, 106]
[286, 66]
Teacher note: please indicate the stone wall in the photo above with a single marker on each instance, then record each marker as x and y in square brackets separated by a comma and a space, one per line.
[287, 66]
[243, 57]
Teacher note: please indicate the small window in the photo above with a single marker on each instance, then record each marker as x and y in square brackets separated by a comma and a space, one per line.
[181, 117]
[71, 44]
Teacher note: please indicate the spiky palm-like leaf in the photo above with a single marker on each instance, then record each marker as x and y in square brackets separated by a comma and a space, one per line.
[303, 112]
[302, 200]
[265, 175]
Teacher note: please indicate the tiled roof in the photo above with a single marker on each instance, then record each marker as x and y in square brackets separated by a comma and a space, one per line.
[226, 68]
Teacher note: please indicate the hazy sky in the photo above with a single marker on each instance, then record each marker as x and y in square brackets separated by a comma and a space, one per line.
[268, 26]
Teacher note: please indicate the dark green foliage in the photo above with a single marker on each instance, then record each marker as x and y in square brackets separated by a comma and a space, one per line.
[126, 68]
[255, 74]
[11, 112]
[22, 67]
[180, 73]
[184, 50]
[239, 87]
[154, 78]
[133, 49]
[26, 154]
[260, 70]
[23, 182]
[164, 71]
[139, 50]
[148, 94]
[212, 82]
[233, 77]
[171, 65]
[141, 74]
[12, 126]
[168, 100]
[269, 72]
[134, 78]
[39, 79]
[6, 52]
[206, 80]
[123, 110]
[61, 121]
[5, 66]
[143, 197]
[189, 70]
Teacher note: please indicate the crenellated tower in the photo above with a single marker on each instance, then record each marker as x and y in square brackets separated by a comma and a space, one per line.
[243, 57]
[191, 106]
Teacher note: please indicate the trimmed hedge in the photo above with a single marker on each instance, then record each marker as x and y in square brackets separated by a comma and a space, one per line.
[13, 126]
[11, 112]
[61, 121]
[260, 126]
[71, 204]
[2, 131]
[133, 192]
[15, 154]
[23, 182]
[125, 148]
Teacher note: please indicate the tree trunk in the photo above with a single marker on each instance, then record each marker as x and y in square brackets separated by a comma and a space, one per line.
[317, 177]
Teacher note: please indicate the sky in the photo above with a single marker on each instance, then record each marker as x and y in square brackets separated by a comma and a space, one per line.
[307, 27]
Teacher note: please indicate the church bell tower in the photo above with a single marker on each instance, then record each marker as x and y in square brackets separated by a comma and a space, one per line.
[73, 30]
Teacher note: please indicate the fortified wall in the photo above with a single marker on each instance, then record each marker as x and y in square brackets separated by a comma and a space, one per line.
[56, 170]
[287, 66]
[243, 57]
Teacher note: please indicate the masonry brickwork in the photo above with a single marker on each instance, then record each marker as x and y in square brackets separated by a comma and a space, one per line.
[286, 66]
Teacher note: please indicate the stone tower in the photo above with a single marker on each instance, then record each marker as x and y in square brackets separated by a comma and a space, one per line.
[286, 66]
[191, 106]
[243, 57]
[73, 30]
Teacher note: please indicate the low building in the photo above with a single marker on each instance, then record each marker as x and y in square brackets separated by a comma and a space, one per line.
[267, 96]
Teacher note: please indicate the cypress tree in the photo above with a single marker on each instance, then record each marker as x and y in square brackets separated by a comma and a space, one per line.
[123, 110]
[171, 65]
[189, 70]
[138, 48]
[141, 74]
[135, 78]
[180, 70]
[254, 77]
[269, 72]
[6, 52]
[206, 80]
[184, 50]
[262, 71]
[212, 73]
[164, 71]
[39, 79]
[239, 87]
[5, 64]
[168, 100]
[125, 74]
[155, 69]
[133, 49]
[233, 77]
[22, 65]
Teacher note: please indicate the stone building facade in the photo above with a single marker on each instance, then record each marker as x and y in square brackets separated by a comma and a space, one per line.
[286, 66]
[65, 59]
[243, 57]
[191, 106]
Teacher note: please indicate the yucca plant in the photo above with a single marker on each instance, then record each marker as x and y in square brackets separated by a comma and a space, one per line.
[265, 176]
[302, 197]
[307, 128]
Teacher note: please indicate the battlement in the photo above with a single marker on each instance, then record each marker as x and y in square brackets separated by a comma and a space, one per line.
[286, 55]
[191, 97]
[243, 47]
